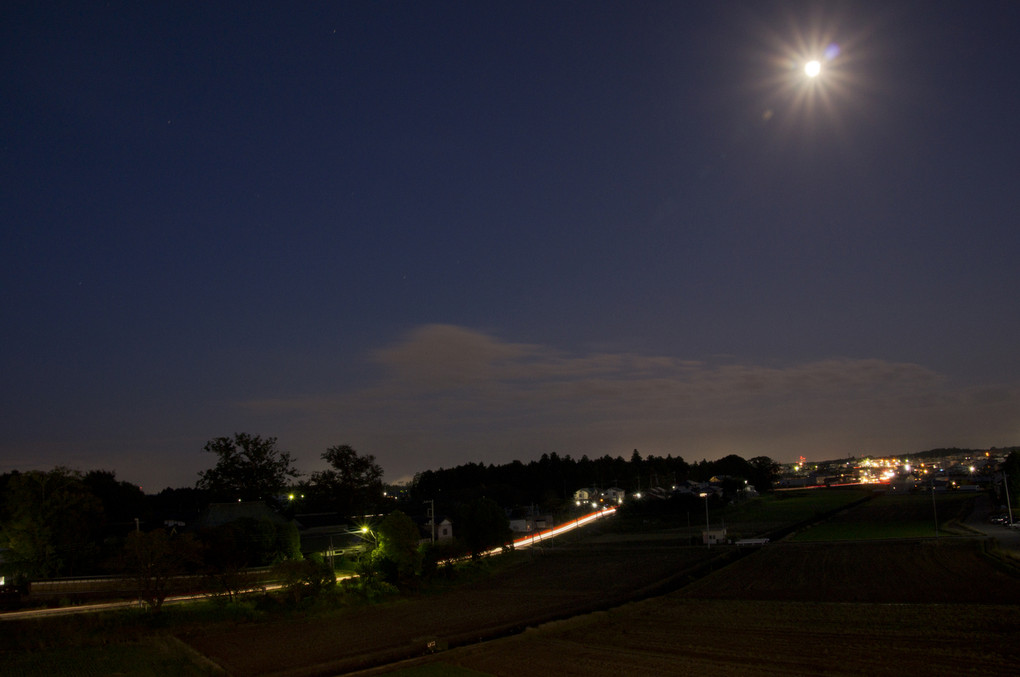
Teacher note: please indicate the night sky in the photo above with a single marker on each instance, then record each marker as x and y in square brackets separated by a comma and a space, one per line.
[451, 232]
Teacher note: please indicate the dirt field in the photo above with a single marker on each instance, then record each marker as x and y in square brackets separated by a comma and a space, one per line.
[875, 609]
[552, 584]
[898, 572]
[674, 635]
[789, 608]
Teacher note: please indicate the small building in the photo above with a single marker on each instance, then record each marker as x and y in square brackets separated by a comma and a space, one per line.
[444, 531]
[521, 526]
[713, 536]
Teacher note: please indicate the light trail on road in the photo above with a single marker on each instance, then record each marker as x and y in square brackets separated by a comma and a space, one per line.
[533, 539]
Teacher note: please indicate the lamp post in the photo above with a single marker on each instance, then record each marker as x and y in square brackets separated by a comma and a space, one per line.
[704, 495]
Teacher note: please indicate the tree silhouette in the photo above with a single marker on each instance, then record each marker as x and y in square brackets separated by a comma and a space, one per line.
[249, 468]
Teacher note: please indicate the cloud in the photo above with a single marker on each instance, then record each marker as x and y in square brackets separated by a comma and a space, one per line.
[449, 394]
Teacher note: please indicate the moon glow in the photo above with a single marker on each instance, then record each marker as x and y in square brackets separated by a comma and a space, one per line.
[812, 68]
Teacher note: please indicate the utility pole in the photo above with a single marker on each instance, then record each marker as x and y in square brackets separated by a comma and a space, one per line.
[432, 517]
[1005, 486]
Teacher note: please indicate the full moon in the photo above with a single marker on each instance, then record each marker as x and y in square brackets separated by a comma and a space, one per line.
[812, 68]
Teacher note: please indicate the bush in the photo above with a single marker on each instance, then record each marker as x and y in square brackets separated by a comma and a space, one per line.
[304, 578]
[368, 588]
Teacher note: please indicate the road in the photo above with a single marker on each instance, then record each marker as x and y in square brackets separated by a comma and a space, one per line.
[1009, 539]
[524, 542]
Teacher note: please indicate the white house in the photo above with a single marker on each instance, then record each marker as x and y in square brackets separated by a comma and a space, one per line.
[444, 531]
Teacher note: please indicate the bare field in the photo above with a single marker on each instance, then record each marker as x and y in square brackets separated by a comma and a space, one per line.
[543, 586]
[864, 607]
[911, 572]
[677, 635]
[791, 609]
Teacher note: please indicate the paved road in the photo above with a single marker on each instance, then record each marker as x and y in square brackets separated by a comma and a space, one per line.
[978, 521]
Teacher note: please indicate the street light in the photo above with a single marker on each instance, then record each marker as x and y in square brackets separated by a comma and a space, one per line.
[708, 541]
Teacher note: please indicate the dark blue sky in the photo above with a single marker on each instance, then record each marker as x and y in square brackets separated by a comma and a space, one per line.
[452, 232]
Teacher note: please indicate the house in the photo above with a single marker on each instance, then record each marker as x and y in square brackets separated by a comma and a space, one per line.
[441, 532]
[330, 535]
[584, 495]
[613, 495]
[599, 498]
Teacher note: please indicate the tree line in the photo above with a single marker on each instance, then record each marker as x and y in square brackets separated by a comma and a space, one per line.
[63, 522]
[549, 483]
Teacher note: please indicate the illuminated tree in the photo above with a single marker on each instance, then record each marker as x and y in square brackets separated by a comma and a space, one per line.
[397, 556]
[49, 523]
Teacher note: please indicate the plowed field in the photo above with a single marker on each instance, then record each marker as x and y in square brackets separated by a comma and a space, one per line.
[554, 584]
[789, 609]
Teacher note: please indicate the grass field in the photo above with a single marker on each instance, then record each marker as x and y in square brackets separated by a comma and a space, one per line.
[892, 515]
[754, 518]
[785, 508]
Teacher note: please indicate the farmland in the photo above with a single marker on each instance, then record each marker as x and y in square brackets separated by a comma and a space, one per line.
[679, 635]
[866, 606]
[881, 608]
[796, 607]
[892, 515]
